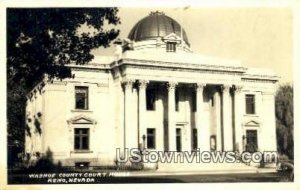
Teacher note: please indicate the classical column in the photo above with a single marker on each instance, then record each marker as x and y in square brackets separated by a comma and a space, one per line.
[142, 84]
[171, 116]
[129, 129]
[227, 118]
[238, 114]
[202, 127]
[218, 120]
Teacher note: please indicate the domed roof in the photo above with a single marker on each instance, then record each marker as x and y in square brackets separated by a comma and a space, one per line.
[157, 24]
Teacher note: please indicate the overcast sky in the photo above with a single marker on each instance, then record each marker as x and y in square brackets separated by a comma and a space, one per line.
[258, 37]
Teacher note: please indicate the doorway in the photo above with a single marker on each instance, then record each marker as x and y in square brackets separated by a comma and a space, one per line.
[251, 140]
[178, 140]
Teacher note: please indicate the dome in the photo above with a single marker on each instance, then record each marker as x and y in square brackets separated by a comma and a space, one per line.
[157, 24]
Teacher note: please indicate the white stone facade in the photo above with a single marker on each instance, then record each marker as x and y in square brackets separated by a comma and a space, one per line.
[208, 92]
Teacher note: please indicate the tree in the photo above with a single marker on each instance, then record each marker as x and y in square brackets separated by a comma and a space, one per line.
[285, 120]
[42, 42]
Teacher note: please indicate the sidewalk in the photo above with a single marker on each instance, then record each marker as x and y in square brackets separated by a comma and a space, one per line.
[196, 169]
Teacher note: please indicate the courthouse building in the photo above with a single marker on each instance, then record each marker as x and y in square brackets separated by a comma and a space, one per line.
[155, 93]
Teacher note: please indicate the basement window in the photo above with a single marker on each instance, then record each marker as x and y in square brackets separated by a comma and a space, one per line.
[82, 165]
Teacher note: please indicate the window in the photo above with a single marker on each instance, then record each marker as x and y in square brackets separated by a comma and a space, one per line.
[171, 47]
[81, 97]
[150, 98]
[250, 104]
[176, 100]
[81, 141]
[151, 138]
[195, 139]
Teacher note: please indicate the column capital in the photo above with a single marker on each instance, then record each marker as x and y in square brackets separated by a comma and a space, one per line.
[142, 84]
[199, 86]
[171, 85]
[225, 88]
[237, 88]
[127, 83]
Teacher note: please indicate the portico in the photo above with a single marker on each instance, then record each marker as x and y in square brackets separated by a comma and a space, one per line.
[183, 115]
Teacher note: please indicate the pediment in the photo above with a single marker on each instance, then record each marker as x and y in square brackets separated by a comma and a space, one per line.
[172, 37]
[252, 123]
[81, 119]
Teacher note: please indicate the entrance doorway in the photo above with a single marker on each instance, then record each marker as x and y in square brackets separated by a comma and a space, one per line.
[251, 140]
[178, 140]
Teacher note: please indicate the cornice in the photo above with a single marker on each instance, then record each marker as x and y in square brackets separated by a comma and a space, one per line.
[267, 79]
[202, 68]
[205, 67]
[90, 66]
[97, 69]
[140, 63]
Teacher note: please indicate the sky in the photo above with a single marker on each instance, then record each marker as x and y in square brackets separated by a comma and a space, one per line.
[257, 37]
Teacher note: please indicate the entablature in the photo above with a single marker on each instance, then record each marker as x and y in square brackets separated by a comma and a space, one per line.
[182, 66]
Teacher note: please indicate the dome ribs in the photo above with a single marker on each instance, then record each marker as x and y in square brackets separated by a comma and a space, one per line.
[155, 25]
